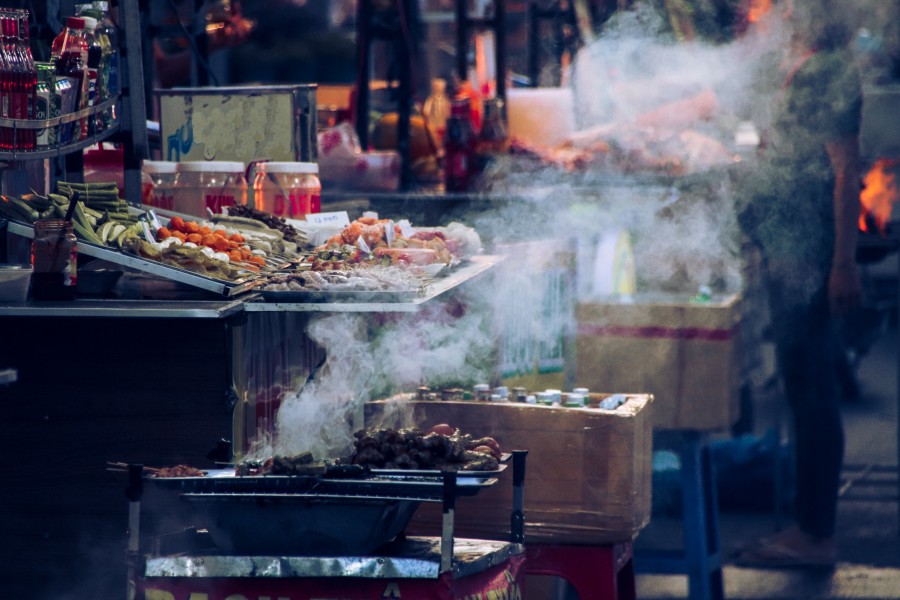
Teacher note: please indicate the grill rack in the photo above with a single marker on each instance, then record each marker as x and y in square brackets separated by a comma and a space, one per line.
[403, 493]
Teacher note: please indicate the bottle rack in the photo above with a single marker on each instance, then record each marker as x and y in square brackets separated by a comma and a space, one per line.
[130, 127]
[58, 150]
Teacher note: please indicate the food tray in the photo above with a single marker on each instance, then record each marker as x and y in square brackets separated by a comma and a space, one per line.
[219, 286]
[340, 296]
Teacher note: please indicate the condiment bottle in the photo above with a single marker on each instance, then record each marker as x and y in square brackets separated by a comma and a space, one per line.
[459, 147]
[69, 52]
[287, 189]
[493, 139]
[436, 109]
[54, 258]
[208, 186]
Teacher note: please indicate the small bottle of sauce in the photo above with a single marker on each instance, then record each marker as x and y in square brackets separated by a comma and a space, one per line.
[54, 257]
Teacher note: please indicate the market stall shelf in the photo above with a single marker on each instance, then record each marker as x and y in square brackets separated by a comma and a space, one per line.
[467, 271]
[196, 280]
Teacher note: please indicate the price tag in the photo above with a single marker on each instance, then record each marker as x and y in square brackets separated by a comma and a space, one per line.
[389, 233]
[406, 229]
[339, 218]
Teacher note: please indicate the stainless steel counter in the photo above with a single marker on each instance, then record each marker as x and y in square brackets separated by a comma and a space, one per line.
[131, 309]
[248, 302]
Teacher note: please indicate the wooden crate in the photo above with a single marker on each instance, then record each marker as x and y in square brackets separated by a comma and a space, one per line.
[587, 476]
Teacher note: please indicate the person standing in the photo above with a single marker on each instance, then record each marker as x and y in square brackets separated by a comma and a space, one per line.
[804, 217]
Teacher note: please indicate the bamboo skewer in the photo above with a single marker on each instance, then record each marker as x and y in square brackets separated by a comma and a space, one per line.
[122, 466]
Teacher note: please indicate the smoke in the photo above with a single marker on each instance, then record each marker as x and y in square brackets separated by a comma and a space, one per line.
[548, 225]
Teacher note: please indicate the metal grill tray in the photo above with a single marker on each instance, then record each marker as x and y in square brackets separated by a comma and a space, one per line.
[378, 485]
[219, 286]
[338, 295]
[504, 458]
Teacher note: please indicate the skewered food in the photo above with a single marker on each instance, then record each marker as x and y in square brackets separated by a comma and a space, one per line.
[179, 471]
[413, 449]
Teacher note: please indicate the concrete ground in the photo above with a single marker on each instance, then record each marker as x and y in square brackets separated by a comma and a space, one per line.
[868, 531]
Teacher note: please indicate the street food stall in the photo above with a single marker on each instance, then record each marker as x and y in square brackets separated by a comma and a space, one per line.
[270, 351]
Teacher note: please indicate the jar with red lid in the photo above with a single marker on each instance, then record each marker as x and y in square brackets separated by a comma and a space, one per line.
[208, 186]
[287, 189]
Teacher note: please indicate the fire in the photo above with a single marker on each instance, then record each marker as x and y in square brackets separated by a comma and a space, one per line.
[878, 195]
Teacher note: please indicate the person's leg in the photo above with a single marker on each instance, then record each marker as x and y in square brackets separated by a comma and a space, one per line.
[811, 388]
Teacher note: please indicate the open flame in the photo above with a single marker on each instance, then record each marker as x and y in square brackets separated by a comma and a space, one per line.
[878, 195]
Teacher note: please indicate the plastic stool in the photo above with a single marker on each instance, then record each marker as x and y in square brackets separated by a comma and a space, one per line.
[701, 558]
[596, 572]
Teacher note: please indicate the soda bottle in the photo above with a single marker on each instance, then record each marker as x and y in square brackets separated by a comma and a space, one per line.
[19, 88]
[69, 51]
[493, 140]
[7, 84]
[459, 147]
[29, 80]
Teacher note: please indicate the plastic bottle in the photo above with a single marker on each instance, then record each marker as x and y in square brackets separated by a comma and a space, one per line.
[436, 109]
[17, 84]
[94, 56]
[459, 147]
[27, 137]
[108, 29]
[69, 51]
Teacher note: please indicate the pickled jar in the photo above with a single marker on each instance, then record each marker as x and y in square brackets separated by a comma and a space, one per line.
[287, 189]
[162, 183]
[54, 259]
[202, 187]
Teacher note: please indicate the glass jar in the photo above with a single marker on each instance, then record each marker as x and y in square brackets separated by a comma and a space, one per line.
[287, 189]
[162, 181]
[54, 258]
[202, 187]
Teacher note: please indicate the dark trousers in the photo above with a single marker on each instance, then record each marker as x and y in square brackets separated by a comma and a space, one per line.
[806, 346]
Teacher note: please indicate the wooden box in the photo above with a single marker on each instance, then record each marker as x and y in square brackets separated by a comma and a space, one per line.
[685, 354]
[587, 477]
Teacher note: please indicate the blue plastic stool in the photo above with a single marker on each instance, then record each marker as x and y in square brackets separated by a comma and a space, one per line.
[701, 558]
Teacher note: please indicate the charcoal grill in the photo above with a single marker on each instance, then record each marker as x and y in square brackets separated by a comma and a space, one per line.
[314, 520]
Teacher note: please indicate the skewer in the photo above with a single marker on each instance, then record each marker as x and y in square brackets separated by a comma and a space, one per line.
[121, 466]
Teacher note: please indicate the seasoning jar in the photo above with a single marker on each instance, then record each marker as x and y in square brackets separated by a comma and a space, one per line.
[54, 258]
[208, 186]
[287, 189]
[162, 183]
[482, 392]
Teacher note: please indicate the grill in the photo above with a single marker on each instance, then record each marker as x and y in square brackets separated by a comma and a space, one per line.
[300, 516]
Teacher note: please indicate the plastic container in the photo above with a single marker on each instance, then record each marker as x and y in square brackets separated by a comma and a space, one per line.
[208, 186]
[287, 189]
[162, 183]
[14, 281]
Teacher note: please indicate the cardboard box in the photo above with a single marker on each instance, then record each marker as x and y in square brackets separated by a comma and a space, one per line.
[684, 354]
[239, 123]
[587, 476]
